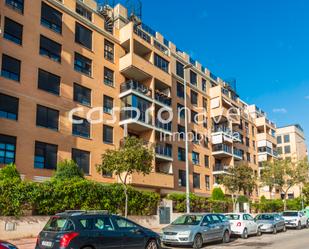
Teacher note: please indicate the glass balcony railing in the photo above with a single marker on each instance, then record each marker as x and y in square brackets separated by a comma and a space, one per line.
[162, 98]
[124, 115]
[136, 86]
[164, 150]
[221, 128]
[161, 47]
[238, 153]
[163, 126]
[222, 147]
[220, 167]
[265, 150]
[142, 34]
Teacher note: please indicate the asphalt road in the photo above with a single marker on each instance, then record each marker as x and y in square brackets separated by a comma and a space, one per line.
[292, 239]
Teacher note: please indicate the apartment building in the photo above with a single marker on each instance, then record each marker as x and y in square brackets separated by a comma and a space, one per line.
[60, 55]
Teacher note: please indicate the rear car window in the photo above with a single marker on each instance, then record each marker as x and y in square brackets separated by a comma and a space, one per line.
[293, 214]
[232, 216]
[57, 223]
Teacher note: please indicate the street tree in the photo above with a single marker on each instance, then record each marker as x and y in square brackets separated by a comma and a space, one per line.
[133, 156]
[284, 174]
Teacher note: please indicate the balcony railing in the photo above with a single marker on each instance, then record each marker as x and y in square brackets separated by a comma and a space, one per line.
[163, 126]
[220, 167]
[222, 147]
[265, 150]
[164, 150]
[221, 128]
[136, 86]
[142, 34]
[162, 98]
[124, 115]
[238, 153]
[161, 47]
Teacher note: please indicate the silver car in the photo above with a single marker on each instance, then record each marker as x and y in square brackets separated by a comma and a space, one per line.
[270, 223]
[196, 229]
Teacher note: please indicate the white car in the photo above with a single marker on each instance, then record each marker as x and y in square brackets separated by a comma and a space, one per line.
[243, 224]
[295, 219]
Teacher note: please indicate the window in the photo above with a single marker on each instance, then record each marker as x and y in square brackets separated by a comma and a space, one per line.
[17, 5]
[207, 182]
[279, 140]
[204, 85]
[108, 77]
[279, 149]
[124, 223]
[51, 18]
[181, 131]
[83, 12]
[83, 35]
[248, 157]
[247, 142]
[254, 159]
[103, 224]
[195, 158]
[205, 122]
[45, 156]
[108, 50]
[50, 49]
[193, 78]
[7, 149]
[194, 117]
[82, 94]
[204, 103]
[8, 107]
[13, 31]
[161, 63]
[108, 104]
[180, 90]
[48, 82]
[108, 134]
[179, 69]
[253, 144]
[196, 180]
[82, 159]
[82, 128]
[182, 178]
[10, 68]
[181, 111]
[47, 117]
[287, 149]
[206, 161]
[181, 154]
[194, 97]
[286, 138]
[82, 64]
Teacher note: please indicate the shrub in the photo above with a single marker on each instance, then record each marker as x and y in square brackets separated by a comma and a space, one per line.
[67, 170]
[217, 194]
[9, 172]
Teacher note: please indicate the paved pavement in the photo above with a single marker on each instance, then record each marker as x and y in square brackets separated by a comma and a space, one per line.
[292, 239]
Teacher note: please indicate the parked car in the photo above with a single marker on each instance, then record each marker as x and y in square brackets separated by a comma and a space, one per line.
[270, 223]
[6, 245]
[243, 224]
[306, 211]
[295, 219]
[196, 229]
[94, 230]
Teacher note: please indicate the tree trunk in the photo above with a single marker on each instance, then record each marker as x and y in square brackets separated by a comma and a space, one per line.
[126, 201]
[284, 201]
[234, 200]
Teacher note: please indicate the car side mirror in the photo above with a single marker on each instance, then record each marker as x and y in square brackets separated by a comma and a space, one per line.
[205, 224]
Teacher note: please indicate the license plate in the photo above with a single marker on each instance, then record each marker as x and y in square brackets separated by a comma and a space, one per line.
[168, 237]
[47, 243]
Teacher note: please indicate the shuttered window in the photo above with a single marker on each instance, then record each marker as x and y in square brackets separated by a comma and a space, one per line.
[81, 129]
[8, 107]
[13, 31]
[45, 155]
[83, 36]
[51, 18]
[10, 68]
[48, 82]
[50, 49]
[47, 117]
[82, 159]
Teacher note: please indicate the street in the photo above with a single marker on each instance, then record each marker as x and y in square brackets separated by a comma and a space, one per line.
[292, 239]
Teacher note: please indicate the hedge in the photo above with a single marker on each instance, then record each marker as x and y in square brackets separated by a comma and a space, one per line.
[18, 197]
[199, 204]
[265, 206]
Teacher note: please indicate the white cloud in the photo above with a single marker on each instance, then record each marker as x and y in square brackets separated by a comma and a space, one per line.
[280, 110]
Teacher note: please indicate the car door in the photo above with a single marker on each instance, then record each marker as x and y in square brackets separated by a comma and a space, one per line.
[279, 221]
[252, 226]
[208, 232]
[134, 236]
[303, 218]
[218, 226]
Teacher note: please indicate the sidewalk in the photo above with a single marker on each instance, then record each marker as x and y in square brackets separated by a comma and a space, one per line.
[28, 243]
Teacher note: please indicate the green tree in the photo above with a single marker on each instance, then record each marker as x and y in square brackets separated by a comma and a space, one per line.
[9, 172]
[133, 156]
[284, 174]
[68, 170]
[239, 179]
[217, 194]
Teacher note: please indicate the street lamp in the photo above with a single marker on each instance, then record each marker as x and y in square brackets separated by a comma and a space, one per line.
[186, 69]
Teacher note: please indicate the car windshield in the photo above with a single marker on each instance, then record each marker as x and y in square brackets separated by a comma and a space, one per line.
[58, 223]
[293, 214]
[265, 217]
[188, 220]
[232, 216]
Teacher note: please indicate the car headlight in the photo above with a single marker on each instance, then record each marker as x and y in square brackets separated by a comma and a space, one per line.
[185, 233]
[293, 220]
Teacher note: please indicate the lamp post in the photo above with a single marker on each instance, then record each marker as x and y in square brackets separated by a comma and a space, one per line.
[186, 69]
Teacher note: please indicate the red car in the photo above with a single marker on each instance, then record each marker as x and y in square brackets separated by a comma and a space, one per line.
[6, 245]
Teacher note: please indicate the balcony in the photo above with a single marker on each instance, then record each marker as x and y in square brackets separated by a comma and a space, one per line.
[220, 169]
[164, 152]
[163, 126]
[136, 87]
[135, 122]
[142, 34]
[268, 151]
[163, 99]
[154, 179]
[222, 150]
[238, 155]
[221, 134]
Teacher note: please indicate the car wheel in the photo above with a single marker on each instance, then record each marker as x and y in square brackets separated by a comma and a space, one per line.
[198, 242]
[88, 247]
[307, 224]
[152, 244]
[284, 228]
[259, 232]
[226, 237]
[245, 234]
[275, 230]
[299, 226]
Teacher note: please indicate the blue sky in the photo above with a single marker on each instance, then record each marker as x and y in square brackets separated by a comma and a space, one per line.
[264, 44]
